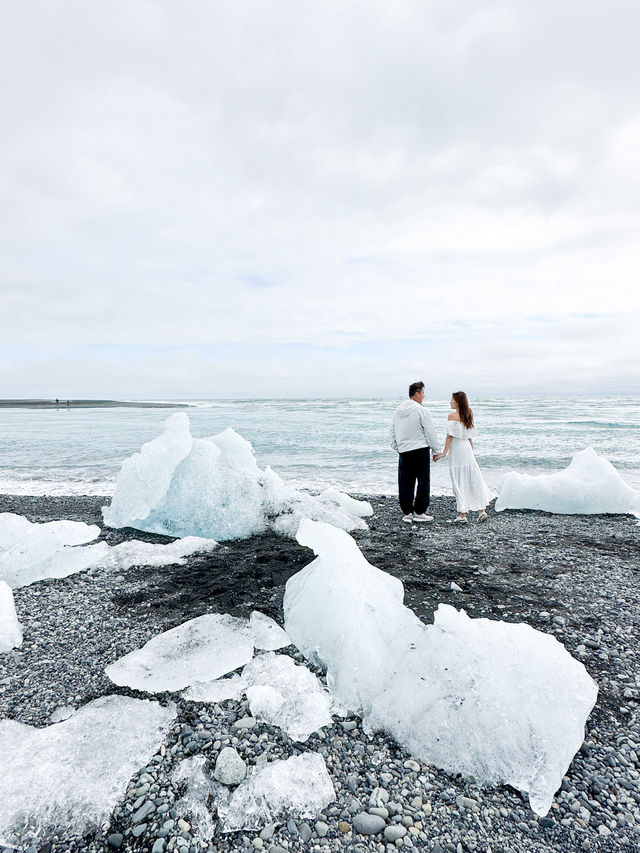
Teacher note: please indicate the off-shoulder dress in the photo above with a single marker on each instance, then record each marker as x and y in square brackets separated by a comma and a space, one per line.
[468, 484]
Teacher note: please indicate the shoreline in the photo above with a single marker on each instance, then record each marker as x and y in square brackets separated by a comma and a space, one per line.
[575, 577]
[89, 404]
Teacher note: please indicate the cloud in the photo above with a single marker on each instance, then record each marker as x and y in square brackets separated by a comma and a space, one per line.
[422, 178]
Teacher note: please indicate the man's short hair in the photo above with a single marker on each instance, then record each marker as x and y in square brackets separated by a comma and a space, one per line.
[415, 387]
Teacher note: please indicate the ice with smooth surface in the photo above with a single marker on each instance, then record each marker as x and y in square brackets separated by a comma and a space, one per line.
[267, 634]
[30, 551]
[212, 487]
[499, 701]
[589, 485]
[201, 649]
[71, 775]
[299, 787]
[10, 628]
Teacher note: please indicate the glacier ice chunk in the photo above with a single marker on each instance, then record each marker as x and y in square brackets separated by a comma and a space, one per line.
[589, 485]
[267, 634]
[299, 787]
[213, 487]
[496, 700]
[10, 628]
[30, 551]
[201, 649]
[71, 774]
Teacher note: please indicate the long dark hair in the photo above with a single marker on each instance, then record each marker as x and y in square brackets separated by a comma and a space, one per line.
[466, 415]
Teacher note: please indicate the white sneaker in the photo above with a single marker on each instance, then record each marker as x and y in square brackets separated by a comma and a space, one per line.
[422, 517]
[408, 518]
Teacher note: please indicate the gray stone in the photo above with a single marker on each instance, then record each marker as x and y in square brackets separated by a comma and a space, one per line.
[115, 840]
[467, 803]
[267, 831]
[368, 824]
[305, 832]
[244, 724]
[158, 846]
[392, 833]
[321, 828]
[230, 769]
[143, 812]
[139, 830]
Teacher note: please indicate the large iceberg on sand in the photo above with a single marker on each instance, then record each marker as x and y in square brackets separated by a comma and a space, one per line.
[589, 485]
[31, 552]
[213, 487]
[495, 700]
[10, 628]
[199, 650]
[71, 774]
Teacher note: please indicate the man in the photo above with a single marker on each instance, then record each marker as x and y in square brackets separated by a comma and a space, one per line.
[412, 434]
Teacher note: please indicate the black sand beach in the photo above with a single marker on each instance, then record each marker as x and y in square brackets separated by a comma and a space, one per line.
[573, 576]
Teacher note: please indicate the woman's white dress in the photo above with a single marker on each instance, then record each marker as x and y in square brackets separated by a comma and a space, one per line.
[468, 484]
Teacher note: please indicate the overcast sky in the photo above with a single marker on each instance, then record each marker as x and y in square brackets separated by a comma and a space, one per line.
[205, 199]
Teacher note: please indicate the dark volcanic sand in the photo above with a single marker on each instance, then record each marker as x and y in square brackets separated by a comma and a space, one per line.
[573, 576]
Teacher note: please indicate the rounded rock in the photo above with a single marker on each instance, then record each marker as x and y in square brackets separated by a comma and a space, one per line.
[230, 769]
[392, 833]
[368, 824]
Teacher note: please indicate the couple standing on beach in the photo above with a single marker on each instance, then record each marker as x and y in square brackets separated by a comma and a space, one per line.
[413, 436]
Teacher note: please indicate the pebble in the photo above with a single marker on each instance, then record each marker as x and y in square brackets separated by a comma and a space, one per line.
[321, 828]
[230, 768]
[368, 824]
[394, 832]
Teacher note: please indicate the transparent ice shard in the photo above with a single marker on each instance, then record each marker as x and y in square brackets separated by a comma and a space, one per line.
[198, 650]
[70, 775]
[299, 787]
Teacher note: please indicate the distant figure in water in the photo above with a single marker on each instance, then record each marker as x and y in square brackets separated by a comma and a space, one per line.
[468, 484]
[412, 434]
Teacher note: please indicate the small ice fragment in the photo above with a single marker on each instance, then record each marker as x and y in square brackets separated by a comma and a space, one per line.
[70, 776]
[267, 634]
[10, 628]
[192, 772]
[455, 587]
[218, 690]
[299, 787]
[201, 649]
[287, 695]
[62, 713]
[589, 485]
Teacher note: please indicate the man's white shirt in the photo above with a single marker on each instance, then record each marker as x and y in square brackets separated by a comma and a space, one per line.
[413, 428]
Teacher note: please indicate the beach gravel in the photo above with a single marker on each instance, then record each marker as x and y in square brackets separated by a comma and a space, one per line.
[575, 577]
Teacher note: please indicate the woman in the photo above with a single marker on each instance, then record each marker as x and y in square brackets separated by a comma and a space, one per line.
[468, 485]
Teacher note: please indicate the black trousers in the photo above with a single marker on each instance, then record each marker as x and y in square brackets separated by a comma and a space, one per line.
[414, 465]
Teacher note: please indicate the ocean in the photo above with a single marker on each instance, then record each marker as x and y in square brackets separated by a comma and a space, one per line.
[314, 443]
